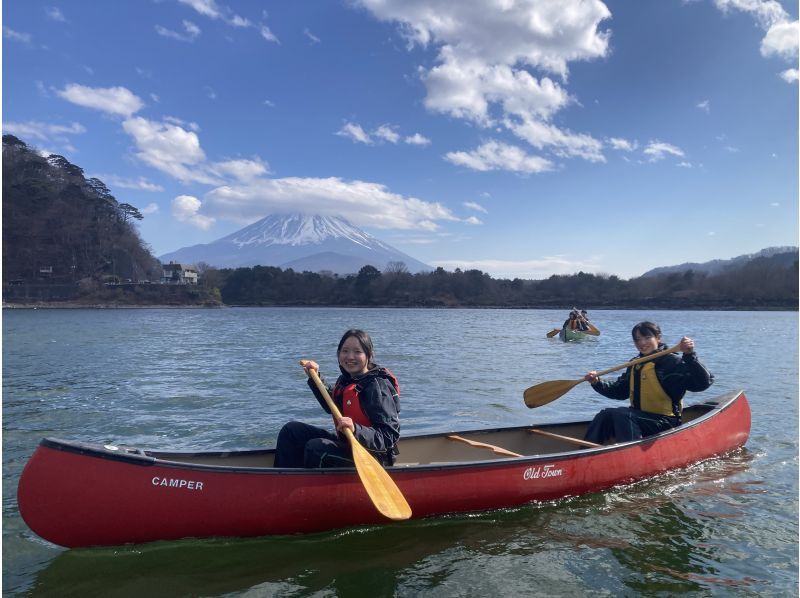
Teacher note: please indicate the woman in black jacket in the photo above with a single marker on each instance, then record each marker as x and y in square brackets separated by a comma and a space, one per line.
[368, 397]
[655, 389]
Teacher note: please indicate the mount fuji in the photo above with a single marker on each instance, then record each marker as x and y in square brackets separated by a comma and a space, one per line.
[298, 241]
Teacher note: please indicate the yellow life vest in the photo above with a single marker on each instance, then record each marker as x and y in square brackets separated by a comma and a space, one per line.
[652, 397]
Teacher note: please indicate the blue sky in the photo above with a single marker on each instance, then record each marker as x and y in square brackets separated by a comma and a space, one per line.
[522, 138]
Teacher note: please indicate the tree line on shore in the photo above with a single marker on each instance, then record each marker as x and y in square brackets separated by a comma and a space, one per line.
[762, 283]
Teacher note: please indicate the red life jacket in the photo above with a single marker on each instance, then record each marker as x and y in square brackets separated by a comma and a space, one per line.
[347, 395]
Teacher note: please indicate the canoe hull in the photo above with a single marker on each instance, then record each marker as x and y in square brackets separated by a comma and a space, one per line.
[571, 335]
[82, 495]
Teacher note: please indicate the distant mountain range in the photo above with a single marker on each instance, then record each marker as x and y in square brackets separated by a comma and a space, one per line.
[302, 242]
[786, 253]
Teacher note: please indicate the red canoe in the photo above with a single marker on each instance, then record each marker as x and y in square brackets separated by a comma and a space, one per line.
[76, 494]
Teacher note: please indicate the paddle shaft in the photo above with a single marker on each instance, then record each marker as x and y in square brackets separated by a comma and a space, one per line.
[547, 392]
[633, 362]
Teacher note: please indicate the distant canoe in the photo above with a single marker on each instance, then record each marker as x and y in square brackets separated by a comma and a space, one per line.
[76, 494]
[565, 334]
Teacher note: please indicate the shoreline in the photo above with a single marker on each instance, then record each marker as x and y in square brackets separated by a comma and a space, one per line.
[103, 306]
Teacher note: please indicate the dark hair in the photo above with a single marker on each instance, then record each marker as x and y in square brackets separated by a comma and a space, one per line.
[363, 339]
[646, 329]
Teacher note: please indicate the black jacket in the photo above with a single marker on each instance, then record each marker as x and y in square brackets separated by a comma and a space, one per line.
[380, 401]
[676, 374]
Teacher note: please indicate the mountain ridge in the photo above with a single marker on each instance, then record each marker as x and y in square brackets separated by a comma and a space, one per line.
[719, 265]
[298, 241]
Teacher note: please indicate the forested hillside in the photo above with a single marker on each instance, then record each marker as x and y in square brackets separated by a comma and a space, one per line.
[61, 227]
[763, 283]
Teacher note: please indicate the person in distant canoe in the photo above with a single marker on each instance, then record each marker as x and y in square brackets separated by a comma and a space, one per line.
[571, 323]
[655, 389]
[368, 397]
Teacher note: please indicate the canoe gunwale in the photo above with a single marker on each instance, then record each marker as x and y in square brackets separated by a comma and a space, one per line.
[136, 456]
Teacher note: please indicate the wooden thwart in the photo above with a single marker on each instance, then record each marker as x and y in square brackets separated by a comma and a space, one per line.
[491, 447]
[566, 438]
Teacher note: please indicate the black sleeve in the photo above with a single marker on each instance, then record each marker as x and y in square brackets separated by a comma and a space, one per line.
[378, 402]
[695, 376]
[318, 394]
[619, 389]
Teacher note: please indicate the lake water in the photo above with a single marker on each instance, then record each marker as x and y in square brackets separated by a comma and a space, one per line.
[229, 378]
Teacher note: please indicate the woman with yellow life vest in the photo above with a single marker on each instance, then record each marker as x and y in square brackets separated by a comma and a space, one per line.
[367, 396]
[655, 389]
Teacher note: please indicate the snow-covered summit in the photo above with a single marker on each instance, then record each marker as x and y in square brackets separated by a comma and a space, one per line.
[298, 241]
[301, 229]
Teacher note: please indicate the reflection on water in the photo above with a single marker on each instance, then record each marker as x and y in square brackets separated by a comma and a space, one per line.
[226, 379]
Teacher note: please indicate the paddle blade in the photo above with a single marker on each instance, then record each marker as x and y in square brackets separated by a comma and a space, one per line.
[553, 332]
[380, 487]
[547, 392]
[592, 330]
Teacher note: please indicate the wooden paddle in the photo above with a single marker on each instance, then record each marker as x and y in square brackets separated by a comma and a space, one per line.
[592, 329]
[553, 332]
[382, 490]
[547, 392]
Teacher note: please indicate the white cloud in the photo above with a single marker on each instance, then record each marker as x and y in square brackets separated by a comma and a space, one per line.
[485, 58]
[417, 139]
[54, 14]
[43, 131]
[473, 220]
[192, 31]
[766, 12]
[387, 133]
[494, 155]
[311, 36]
[543, 135]
[525, 269]
[242, 170]
[775, 204]
[705, 105]
[267, 34]
[781, 40]
[212, 10]
[170, 149]
[151, 208]
[115, 100]
[782, 33]
[364, 203]
[624, 145]
[475, 206]
[16, 36]
[790, 75]
[186, 208]
[546, 35]
[657, 150]
[354, 132]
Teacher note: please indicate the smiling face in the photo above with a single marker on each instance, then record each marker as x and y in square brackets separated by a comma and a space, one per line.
[646, 343]
[352, 357]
